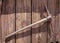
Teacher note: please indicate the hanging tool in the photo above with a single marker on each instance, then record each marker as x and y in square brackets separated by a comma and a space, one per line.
[27, 27]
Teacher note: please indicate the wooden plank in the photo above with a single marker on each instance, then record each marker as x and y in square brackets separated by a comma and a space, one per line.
[57, 20]
[35, 17]
[59, 23]
[44, 29]
[39, 34]
[0, 35]
[52, 9]
[8, 20]
[3, 22]
[23, 18]
[0, 23]
[11, 19]
[35, 29]
[11, 27]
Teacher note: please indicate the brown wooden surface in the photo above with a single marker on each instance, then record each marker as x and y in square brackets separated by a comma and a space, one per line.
[0, 25]
[3, 23]
[35, 17]
[39, 34]
[53, 7]
[11, 19]
[23, 18]
[8, 19]
[43, 29]
[59, 22]
[16, 15]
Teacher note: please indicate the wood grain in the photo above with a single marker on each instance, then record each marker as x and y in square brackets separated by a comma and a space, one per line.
[23, 18]
[8, 19]
[39, 34]
[44, 27]
[4, 26]
[11, 19]
[53, 11]
[35, 17]
[57, 20]
[3, 23]
[59, 23]
[16, 15]
[35, 29]
[0, 24]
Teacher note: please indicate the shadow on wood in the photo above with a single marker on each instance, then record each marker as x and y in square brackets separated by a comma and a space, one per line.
[27, 33]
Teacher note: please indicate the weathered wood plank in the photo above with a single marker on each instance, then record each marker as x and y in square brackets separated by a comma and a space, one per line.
[23, 18]
[11, 27]
[35, 29]
[44, 29]
[4, 26]
[35, 17]
[3, 22]
[57, 20]
[59, 23]
[52, 9]
[39, 34]
[0, 22]
[8, 19]
[0, 31]
[11, 19]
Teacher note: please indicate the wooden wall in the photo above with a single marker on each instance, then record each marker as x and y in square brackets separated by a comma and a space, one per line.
[16, 14]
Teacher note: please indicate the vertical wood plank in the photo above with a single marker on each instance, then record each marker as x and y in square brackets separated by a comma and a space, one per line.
[39, 31]
[53, 11]
[59, 24]
[4, 26]
[35, 17]
[0, 29]
[0, 23]
[3, 22]
[23, 18]
[8, 20]
[35, 29]
[11, 19]
[11, 27]
[57, 19]
[44, 29]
